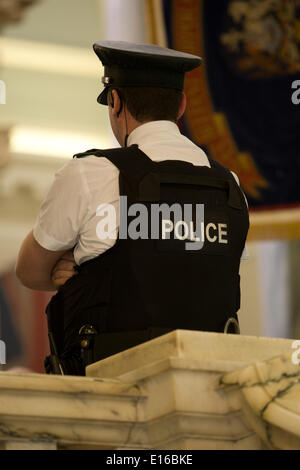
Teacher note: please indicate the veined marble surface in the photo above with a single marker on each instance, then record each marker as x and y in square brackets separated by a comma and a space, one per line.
[180, 373]
[66, 411]
[271, 392]
[184, 390]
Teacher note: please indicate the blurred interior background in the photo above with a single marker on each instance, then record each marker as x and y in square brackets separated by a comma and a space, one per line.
[240, 111]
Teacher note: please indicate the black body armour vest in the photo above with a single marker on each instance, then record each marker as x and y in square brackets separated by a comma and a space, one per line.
[175, 263]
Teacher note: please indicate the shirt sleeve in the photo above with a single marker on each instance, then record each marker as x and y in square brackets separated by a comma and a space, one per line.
[64, 210]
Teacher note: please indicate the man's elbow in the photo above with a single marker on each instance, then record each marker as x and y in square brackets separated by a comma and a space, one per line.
[35, 264]
[25, 276]
[18, 271]
[34, 283]
[22, 275]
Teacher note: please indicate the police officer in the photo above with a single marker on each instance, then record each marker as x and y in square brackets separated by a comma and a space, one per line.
[120, 283]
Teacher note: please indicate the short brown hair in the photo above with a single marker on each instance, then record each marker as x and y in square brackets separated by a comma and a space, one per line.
[151, 104]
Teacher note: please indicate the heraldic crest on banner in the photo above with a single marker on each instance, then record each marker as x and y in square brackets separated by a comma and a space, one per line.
[261, 38]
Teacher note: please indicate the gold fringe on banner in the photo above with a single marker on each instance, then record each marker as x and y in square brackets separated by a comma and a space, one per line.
[211, 129]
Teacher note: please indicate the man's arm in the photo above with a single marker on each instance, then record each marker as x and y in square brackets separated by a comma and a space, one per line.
[45, 260]
[35, 264]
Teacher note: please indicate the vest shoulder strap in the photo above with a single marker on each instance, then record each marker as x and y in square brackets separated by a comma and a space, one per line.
[137, 160]
[130, 159]
[220, 169]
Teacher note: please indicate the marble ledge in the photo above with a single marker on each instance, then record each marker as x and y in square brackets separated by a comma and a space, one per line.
[183, 390]
[47, 397]
[40, 411]
[198, 349]
[63, 384]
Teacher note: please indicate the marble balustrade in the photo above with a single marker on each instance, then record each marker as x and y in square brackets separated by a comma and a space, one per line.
[184, 390]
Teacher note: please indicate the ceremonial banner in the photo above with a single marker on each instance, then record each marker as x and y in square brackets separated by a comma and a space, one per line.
[243, 102]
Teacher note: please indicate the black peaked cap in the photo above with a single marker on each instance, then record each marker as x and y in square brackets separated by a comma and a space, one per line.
[145, 65]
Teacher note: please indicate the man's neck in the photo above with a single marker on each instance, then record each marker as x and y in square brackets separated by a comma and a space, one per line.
[130, 125]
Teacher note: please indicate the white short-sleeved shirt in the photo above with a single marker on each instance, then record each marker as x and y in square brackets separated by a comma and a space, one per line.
[68, 216]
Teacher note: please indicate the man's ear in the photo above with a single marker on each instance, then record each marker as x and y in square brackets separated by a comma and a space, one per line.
[182, 106]
[110, 99]
[115, 103]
